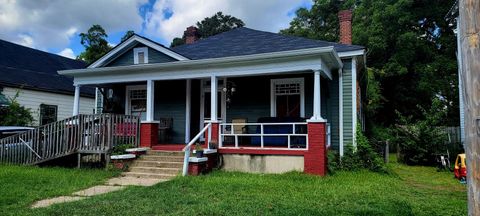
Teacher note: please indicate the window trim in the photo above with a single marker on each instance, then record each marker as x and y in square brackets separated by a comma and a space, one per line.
[139, 50]
[273, 95]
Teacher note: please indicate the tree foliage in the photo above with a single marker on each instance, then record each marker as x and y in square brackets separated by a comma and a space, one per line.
[95, 43]
[15, 114]
[213, 25]
[411, 52]
[127, 35]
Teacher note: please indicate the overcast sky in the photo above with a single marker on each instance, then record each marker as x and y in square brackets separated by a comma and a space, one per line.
[54, 25]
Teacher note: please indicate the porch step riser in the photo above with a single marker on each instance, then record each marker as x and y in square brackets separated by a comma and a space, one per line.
[161, 158]
[156, 164]
[148, 175]
[165, 153]
[154, 170]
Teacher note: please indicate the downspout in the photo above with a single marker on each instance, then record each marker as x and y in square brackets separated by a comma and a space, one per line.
[340, 105]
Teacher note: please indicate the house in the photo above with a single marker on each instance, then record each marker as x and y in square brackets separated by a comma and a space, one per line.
[33, 75]
[452, 18]
[269, 102]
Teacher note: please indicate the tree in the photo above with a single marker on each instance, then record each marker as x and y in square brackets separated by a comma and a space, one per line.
[320, 22]
[95, 43]
[14, 114]
[127, 35]
[411, 52]
[213, 25]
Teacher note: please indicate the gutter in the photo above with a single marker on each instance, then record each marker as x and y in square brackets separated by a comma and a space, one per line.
[213, 62]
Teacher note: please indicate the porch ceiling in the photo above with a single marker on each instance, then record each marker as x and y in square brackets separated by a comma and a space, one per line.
[324, 59]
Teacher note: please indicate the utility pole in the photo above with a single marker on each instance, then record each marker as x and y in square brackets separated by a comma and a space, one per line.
[469, 35]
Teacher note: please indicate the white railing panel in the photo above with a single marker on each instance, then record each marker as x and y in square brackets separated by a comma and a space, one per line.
[263, 134]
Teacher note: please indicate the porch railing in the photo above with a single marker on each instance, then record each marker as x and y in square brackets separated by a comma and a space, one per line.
[188, 147]
[78, 134]
[288, 135]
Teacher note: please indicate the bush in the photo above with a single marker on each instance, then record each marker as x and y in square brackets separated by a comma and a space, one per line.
[419, 141]
[14, 114]
[120, 149]
[364, 157]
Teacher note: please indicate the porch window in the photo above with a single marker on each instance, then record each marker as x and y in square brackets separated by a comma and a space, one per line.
[140, 55]
[48, 113]
[287, 98]
[137, 101]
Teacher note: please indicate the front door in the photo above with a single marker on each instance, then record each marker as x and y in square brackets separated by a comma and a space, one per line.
[287, 98]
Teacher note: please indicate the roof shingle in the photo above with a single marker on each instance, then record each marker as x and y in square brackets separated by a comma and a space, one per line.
[34, 69]
[246, 41]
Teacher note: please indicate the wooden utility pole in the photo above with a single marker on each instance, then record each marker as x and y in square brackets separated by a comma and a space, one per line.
[469, 37]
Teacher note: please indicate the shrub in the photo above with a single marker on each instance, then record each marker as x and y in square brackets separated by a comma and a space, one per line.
[14, 114]
[419, 141]
[363, 157]
[120, 149]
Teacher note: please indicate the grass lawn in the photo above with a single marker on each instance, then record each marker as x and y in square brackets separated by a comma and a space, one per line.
[408, 191]
[20, 186]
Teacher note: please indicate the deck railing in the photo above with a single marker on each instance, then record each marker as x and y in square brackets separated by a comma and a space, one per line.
[78, 134]
[288, 135]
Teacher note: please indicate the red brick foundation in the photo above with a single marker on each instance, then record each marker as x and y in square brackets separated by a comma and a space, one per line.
[197, 168]
[212, 161]
[148, 134]
[315, 159]
[215, 127]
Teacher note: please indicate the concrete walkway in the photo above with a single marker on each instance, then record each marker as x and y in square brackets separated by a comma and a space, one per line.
[113, 184]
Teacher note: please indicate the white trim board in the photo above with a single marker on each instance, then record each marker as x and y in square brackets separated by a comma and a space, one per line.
[139, 50]
[118, 50]
[354, 102]
[257, 64]
[197, 69]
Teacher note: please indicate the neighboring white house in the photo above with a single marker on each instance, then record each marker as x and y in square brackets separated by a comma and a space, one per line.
[33, 75]
[46, 106]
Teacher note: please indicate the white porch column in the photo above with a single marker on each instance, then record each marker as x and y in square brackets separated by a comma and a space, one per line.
[188, 102]
[76, 100]
[317, 102]
[150, 100]
[213, 98]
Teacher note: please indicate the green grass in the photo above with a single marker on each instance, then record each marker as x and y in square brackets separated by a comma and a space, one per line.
[407, 191]
[20, 186]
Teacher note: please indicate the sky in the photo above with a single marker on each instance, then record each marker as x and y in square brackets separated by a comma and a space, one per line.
[54, 25]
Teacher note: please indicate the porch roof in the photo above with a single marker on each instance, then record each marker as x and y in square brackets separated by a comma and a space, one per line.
[324, 59]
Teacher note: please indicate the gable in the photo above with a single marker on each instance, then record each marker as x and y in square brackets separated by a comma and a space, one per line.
[163, 53]
[127, 57]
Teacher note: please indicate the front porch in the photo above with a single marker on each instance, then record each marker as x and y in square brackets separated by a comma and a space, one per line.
[265, 105]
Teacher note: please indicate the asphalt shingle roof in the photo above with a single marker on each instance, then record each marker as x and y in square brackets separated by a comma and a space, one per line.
[246, 41]
[35, 69]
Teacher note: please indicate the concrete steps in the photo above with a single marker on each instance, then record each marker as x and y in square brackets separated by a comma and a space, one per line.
[148, 175]
[156, 170]
[157, 164]
[162, 158]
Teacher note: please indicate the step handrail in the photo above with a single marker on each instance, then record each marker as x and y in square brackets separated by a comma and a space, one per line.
[186, 149]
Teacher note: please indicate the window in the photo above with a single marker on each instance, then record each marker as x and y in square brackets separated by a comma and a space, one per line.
[140, 55]
[287, 98]
[48, 114]
[137, 101]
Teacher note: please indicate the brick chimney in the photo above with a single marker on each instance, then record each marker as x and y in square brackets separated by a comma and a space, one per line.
[345, 20]
[191, 35]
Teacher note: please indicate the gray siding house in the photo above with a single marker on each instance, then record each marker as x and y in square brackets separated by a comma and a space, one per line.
[263, 96]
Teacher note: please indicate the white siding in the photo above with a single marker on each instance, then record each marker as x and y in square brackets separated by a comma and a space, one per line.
[32, 99]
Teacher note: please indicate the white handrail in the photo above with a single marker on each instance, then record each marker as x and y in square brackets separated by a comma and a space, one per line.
[186, 149]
